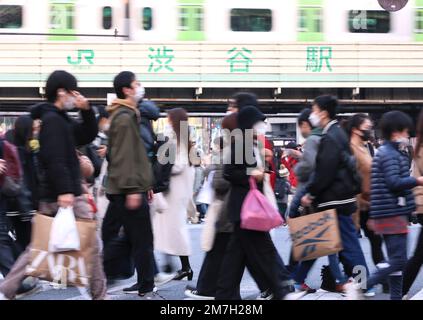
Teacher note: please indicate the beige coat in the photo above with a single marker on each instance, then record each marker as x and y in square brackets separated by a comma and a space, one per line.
[170, 228]
[364, 166]
[417, 171]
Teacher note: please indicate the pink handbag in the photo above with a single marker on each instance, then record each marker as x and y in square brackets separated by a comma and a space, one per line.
[257, 213]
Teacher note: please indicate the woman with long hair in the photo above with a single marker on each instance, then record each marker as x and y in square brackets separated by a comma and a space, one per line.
[27, 202]
[415, 263]
[359, 131]
[171, 235]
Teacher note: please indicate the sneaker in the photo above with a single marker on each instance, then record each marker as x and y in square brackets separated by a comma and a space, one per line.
[29, 286]
[353, 291]
[143, 294]
[162, 278]
[131, 289]
[265, 295]
[304, 288]
[370, 292]
[193, 294]
[291, 294]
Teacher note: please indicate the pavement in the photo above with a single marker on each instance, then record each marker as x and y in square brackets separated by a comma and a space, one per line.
[174, 290]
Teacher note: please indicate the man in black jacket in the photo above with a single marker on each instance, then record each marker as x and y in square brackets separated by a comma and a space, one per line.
[333, 185]
[60, 169]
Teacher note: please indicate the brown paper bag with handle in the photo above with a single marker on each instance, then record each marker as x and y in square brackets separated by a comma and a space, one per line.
[315, 235]
[64, 268]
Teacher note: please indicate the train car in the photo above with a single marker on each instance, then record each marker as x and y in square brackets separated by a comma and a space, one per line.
[200, 44]
[240, 21]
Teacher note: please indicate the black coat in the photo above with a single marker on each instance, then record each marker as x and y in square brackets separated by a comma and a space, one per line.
[332, 184]
[59, 137]
[237, 175]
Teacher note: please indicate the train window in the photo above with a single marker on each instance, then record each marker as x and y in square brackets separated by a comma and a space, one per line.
[369, 21]
[253, 20]
[61, 16]
[310, 20]
[302, 21]
[198, 17]
[107, 17]
[191, 18]
[183, 19]
[147, 18]
[10, 17]
[419, 21]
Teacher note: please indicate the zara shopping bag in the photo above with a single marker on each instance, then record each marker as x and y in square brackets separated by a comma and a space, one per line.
[257, 213]
[67, 268]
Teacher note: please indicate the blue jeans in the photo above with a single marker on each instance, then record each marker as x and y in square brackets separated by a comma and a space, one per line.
[340, 278]
[296, 202]
[301, 271]
[396, 245]
[352, 254]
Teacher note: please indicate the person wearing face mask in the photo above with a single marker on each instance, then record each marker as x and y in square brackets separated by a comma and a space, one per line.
[392, 199]
[333, 184]
[248, 248]
[130, 178]
[60, 185]
[359, 130]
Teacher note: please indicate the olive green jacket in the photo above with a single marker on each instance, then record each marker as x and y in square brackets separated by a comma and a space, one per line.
[129, 170]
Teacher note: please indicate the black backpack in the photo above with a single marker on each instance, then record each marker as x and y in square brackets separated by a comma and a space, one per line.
[161, 171]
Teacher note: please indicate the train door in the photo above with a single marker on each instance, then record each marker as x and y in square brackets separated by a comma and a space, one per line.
[191, 20]
[62, 19]
[310, 20]
[418, 28]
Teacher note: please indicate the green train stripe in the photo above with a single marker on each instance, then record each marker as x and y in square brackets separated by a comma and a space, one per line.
[229, 77]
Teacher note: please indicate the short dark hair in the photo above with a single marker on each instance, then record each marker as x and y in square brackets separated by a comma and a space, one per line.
[395, 121]
[304, 117]
[59, 79]
[123, 80]
[243, 99]
[328, 103]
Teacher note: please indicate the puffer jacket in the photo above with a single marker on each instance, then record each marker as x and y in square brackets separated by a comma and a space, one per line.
[391, 183]
[149, 112]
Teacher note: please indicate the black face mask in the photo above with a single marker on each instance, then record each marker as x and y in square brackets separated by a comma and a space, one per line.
[366, 135]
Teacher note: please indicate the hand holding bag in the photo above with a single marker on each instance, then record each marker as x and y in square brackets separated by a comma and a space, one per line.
[257, 213]
[64, 234]
[159, 204]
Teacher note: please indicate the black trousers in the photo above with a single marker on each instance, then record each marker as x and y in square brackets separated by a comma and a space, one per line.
[22, 230]
[137, 226]
[209, 273]
[9, 251]
[374, 239]
[413, 265]
[117, 250]
[255, 249]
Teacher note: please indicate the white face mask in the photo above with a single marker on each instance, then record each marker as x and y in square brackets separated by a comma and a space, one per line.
[69, 104]
[139, 93]
[260, 128]
[105, 127]
[314, 120]
[403, 141]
